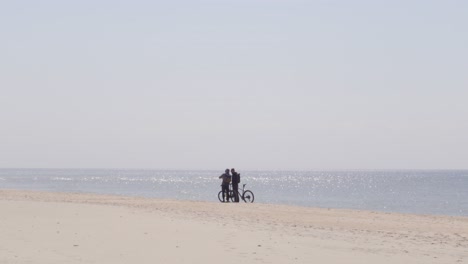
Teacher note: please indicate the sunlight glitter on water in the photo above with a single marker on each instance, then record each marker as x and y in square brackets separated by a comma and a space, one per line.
[435, 192]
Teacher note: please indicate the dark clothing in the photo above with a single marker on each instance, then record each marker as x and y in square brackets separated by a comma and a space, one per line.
[226, 179]
[235, 189]
[225, 185]
[225, 190]
[235, 177]
[235, 185]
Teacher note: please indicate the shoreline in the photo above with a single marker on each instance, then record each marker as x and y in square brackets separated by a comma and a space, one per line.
[256, 233]
[32, 191]
[422, 192]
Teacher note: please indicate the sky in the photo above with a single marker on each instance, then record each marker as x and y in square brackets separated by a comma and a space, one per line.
[250, 84]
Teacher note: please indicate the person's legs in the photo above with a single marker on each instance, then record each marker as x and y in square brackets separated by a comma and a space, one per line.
[235, 189]
[222, 190]
[225, 190]
[227, 193]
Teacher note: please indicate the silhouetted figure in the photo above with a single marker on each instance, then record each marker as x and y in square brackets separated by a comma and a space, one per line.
[235, 184]
[225, 184]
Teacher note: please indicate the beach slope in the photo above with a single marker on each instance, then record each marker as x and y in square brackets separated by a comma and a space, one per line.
[41, 227]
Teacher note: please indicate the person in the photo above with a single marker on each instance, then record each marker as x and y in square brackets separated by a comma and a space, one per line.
[225, 184]
[235, 184]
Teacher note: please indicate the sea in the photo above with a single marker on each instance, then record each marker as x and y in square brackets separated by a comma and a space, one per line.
[430, 192]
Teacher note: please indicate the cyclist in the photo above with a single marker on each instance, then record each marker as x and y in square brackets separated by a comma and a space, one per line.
[225, 184]
[235, 184]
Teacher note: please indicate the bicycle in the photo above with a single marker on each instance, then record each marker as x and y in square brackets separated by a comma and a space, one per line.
[246, 195]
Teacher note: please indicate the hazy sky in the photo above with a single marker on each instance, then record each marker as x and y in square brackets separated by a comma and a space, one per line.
[251, 84]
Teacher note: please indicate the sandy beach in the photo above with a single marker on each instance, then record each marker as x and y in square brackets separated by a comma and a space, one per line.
[39, 227]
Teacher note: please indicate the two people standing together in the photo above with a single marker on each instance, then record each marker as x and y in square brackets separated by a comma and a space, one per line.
[227, 178]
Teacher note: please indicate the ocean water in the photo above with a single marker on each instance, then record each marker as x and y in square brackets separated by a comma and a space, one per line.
[420, 192]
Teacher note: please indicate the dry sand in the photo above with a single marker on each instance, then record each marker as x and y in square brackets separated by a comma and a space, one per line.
[37, 227]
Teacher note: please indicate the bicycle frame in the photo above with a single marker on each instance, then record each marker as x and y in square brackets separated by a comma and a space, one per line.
[240, 192]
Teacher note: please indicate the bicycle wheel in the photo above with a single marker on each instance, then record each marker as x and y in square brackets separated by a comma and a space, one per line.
[220, 196]
[248, 196]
